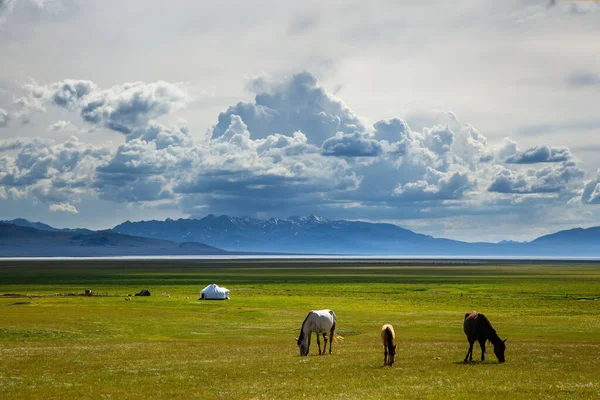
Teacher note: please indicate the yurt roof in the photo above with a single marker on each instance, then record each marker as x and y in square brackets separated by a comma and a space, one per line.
[213, 287]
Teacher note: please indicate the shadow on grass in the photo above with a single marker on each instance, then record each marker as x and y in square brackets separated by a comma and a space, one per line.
[486, 362]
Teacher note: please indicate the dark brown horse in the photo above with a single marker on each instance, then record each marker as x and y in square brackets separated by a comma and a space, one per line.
[389, 347]
[478, 328]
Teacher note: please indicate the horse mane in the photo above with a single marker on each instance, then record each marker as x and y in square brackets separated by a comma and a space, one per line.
[390, 340]
[301, 336]
[490, 331]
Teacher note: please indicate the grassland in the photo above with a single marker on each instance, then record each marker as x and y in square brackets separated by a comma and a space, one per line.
[179, 347]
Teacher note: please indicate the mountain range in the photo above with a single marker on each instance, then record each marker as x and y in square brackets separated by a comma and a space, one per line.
[45, 241]
[294, 235]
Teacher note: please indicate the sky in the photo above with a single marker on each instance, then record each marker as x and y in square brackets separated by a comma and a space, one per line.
[472, 120]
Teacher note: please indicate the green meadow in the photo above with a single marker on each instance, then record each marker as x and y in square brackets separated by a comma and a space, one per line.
[54, 345]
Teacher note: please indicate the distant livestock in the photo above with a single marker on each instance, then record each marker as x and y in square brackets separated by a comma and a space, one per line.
[388, 338]
[143, 292]
[478, 328]
[321, 322]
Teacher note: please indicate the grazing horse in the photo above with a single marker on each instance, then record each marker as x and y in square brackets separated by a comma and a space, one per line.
[321, 322]
[388, 337]
[478, 328]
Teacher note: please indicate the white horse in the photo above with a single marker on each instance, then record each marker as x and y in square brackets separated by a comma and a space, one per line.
[321, 322]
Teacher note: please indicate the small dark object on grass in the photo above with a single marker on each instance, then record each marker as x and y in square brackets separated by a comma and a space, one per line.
[143, 293]
[88, 292]
[21, 303]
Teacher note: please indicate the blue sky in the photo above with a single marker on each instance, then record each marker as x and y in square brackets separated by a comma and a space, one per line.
[470, 120]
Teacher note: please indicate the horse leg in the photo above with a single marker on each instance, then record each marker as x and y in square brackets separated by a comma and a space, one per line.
[308, 347]
[470, 351]
[319, 343]
[325, 344]
[482, 345]
[385, 355]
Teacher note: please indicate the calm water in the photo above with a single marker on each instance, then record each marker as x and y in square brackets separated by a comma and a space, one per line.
[309, 257]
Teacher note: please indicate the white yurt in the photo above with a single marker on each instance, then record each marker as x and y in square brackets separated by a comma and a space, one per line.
[214, 292]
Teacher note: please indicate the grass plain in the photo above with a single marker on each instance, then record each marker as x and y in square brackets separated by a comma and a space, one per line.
[178, 347]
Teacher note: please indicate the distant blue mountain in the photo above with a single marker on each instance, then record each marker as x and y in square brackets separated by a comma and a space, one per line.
[318, 235]
[294, 235]
[311, 234]
[582, 241]
[26, 241]
[43, 227]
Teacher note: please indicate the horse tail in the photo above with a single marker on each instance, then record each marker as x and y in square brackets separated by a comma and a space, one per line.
[334, 336]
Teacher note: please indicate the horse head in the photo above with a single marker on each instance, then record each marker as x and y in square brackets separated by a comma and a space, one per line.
[392, 355]
[302, 346]
[499, 349]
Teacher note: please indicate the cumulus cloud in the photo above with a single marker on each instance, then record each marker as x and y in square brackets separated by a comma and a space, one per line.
[439, 139]
[122, 108]
[589, 193]
[294, 147]
[235, 167]
[66, 93]
[540, 154]
[550, 179]
[162, 136]
[63, 207]
[125, 107]
[352, 145]
[60, 125]
[297, 104]
[392, 130]
[139, 171]
[437, 186]
[19, 143]
[52, 172]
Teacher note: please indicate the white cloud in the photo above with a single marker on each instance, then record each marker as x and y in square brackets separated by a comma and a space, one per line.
[549, 179]
[19, 143]
[63, 207]
[438, 186]
[296, 104]
[60, 125]
[323, 161]
[122, 108]
[126, 107]
[540, 154]
[52, 172]
[352, 145]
